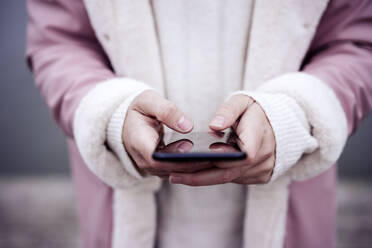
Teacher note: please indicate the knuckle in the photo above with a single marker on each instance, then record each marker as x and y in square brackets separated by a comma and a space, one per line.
[136, 101]
[241, 98]
[171, 107]
[242, 170]
[190, 170]
[131, 146]
[250, 100]
[226, 176]
[268, 169]
[192, 181]
[243, 181]
[263, 179]
[225, 108]
[267, 179]
[229, 109]
[141, 98]
[128, 145]
[260, 181]
[167, 111]
[268, 152]
[151, 172]
[134, 152]
[147, 169]
[132, 140]
[156, 165]
[251, 158]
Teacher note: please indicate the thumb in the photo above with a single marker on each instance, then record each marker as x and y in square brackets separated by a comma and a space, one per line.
[230, 111]
[152, 104]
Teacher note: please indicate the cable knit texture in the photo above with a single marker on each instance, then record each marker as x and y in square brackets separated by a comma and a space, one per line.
[290, 126]
[325, 115]
[115, 131]
[308, 123]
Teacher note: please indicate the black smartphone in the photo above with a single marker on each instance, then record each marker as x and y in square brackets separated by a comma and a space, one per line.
[198, 146]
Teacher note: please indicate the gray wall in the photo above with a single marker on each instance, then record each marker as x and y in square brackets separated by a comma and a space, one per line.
[30, 141]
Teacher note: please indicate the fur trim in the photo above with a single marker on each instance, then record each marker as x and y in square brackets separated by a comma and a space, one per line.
[91, 120]
[131, 194]
[114, 135]
[325, 115]
[275, 48]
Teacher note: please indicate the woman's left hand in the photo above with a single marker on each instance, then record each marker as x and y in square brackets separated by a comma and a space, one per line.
[256, 138]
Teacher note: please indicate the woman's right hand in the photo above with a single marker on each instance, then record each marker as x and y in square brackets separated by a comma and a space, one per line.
[142, 130]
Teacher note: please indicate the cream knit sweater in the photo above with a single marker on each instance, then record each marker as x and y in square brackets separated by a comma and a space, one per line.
[196, 53]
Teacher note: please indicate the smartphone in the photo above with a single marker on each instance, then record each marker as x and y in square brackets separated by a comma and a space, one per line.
[199, 146]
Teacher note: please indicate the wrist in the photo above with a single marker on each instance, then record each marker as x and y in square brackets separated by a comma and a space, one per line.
[115, 134]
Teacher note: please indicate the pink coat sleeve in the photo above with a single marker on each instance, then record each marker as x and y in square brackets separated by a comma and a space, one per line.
[341, 55]
[64, 55]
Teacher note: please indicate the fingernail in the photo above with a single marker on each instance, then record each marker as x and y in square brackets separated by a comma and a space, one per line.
[218, 121]
[184, 124]
[175, 179]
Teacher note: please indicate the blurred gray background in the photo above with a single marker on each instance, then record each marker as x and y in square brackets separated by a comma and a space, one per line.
[34, 164]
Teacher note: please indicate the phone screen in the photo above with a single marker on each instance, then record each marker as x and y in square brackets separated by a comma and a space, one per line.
[199, 146]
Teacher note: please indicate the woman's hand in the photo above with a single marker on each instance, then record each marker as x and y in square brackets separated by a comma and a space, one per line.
[143, 128]
[256, 138]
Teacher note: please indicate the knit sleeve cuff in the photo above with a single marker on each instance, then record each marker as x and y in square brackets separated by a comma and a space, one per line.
[114, 134]
[290, 128]
[98, 116]
[292, 100]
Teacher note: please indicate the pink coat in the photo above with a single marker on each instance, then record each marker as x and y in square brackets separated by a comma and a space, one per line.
[67, 61]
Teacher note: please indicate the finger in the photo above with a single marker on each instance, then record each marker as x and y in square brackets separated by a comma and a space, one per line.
[206, 177]
[241, 163]
[252, 139]
[259, 174]
[182, 167]
[152, 104]
[230, 111]
[246, 181]
[159, 168]
[143, 153]
[147, 163]
[182, 146]
[163, 175]
[251, 130]
[142, 141]
[158, 173]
